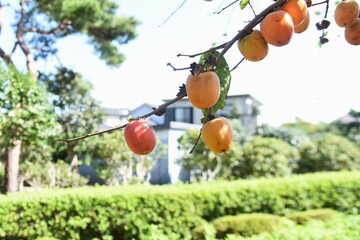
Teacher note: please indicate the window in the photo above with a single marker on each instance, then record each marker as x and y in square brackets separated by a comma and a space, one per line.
[184, 114]
[179, 114]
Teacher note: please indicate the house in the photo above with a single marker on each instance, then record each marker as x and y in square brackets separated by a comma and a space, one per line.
[179, 117]
[114, 117]
[245, 107]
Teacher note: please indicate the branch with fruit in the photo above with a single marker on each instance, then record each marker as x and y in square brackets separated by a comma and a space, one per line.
[208, 84]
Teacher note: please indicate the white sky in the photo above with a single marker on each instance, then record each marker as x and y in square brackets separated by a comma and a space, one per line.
[296, 80]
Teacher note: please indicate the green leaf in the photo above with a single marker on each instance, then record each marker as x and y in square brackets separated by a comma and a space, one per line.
[244, 3]
[223, 71]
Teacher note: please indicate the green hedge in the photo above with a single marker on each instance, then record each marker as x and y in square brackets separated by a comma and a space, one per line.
[303, 217]
[246, 224]
[167, 212]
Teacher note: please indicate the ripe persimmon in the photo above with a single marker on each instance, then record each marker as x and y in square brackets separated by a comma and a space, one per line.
[352, 33]
[346, 12]
[203, 89]
[303, 25]
[217, 134]
[297, 10]
[140, 137]
[277, 28]
[253, 46]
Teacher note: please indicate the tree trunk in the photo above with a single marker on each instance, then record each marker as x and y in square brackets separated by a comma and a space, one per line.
[212, 174]
[72, 156]
[12, 183]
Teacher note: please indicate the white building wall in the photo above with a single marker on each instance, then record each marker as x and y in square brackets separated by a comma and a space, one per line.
[166, 170]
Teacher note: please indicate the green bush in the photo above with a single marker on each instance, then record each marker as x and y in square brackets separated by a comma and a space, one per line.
[291, 135]
[339, 228]
[204, 231]
[328, 152]
[266, 157]
[40, 174]
[167, 212]
[301, 217]
[246, 224]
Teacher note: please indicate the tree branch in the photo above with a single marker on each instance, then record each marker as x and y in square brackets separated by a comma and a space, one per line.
[24, 47]
[226, 46]
[160, 110]
[247, 29]
[241, 34]
[55, 30]
[6, 57]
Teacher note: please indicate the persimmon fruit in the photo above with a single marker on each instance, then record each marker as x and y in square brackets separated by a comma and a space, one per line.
[140, 137]
[297, 10]
[203, 89]
[346, 12]
[352, 33]
[217, 134]
[253, 46]
[303, 25]
[277, 28]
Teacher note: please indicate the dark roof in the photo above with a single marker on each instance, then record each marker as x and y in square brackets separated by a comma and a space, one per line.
[347, 118]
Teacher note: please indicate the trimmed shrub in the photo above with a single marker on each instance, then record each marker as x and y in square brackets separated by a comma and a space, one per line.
[341, 227]
[319, 214]
[328, 152]
[246, 225]
[204, 231]
[265, 157]
[167, 211]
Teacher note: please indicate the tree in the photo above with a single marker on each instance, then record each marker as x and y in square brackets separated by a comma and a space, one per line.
[40, 23]
[26, 118]
[291, 135]
[78, 112]
[63, 15]
[349, 125]
[328, 152]
[307, 128]
[266, 156]
[116, 163]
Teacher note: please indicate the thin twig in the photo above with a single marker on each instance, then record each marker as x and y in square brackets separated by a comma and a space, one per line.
[226, 7]
[201, 53]
[252, 9]
[177, 9]
[178, 69]
[196, 143]
[237, 64]
[326, 9]
[319, 3]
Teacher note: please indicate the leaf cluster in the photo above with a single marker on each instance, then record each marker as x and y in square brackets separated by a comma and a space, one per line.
[25, 111]
[96, 19]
